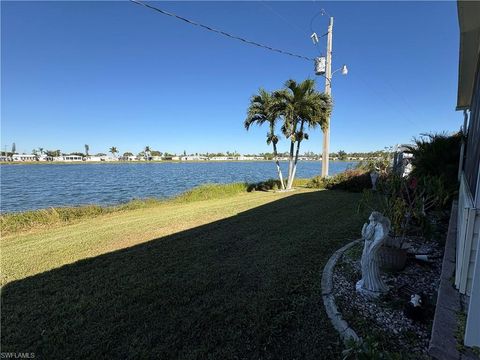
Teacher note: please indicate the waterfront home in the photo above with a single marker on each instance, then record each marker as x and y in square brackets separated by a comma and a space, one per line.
[108, 158]
[5, 158]
[24, 157]
[249, 158]
[68, 158]
[93, 158]
[193, 158]
[461, 264]
[467, 275]
[44, 157]
[156, 158]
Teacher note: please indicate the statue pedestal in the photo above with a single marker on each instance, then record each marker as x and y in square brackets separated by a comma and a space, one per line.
[366, 292]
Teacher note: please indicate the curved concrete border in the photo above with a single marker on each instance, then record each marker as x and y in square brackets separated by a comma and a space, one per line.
[345, 331]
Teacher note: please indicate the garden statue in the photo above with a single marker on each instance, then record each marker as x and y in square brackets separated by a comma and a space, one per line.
[374, 235]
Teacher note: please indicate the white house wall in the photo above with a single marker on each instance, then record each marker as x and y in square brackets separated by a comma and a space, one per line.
[468, 232]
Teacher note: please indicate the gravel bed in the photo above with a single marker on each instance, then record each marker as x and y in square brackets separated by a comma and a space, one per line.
[384, 318]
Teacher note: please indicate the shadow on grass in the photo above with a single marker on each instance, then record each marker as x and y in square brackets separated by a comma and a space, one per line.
[243, 287]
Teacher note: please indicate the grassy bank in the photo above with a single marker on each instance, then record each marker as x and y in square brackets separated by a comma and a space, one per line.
[231, 277]
[28, 220]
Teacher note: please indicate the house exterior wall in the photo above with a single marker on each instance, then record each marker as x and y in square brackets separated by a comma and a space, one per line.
[468, 232]
[467, 277]
[472, 151]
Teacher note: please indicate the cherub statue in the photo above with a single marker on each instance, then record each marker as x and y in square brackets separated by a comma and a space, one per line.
[374, 235]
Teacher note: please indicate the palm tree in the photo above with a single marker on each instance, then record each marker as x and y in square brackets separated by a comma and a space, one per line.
[301, 105]
[147, 153]
[113, 150]
[87, 148]
[263, 108]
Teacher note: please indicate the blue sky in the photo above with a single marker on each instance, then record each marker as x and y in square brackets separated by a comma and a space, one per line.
[118, 74]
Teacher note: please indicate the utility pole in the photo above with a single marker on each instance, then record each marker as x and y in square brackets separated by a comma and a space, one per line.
[328, 91]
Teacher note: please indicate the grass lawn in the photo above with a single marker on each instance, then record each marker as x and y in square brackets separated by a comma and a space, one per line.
[230, 278]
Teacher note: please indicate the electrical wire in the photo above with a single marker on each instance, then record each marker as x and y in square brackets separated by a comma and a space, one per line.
[222, 32]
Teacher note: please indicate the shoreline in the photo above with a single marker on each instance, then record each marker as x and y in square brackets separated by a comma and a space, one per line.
[14, 222]
[152, 162]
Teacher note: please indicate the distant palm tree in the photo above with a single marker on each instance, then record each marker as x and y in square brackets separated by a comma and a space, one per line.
[147, 153]
[301, 105]
[87, 148]
[113, 150]
[264, 108]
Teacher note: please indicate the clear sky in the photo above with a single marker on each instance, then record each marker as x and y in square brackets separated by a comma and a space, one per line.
[118, 74]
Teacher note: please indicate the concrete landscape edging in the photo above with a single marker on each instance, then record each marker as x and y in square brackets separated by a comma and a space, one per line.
[345, 331]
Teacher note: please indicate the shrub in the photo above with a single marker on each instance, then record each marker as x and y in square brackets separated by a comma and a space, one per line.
[212, 191]
[354, 180]
[437, 155]
[317, 182]
[270, 184]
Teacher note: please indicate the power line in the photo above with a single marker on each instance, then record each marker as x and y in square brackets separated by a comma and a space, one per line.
[222, 32]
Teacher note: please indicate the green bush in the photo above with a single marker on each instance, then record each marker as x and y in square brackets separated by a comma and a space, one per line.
[212, 191]
[353, 180]
[316, 182]
[437, 155]
[270, 184]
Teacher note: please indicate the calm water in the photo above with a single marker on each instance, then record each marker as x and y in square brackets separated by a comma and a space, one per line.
[28, 187]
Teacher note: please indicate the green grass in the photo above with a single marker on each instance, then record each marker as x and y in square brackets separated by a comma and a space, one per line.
[18, 222]
[23, 221]
[223, 278]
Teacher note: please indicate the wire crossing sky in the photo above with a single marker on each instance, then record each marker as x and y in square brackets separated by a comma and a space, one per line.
[113, 74]
[222, 32]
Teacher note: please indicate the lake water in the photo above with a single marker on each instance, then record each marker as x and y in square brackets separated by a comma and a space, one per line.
[29, 187]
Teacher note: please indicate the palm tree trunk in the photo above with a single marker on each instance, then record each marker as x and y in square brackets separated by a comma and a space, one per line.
[280, 176]
[290, 158]
[294, 167]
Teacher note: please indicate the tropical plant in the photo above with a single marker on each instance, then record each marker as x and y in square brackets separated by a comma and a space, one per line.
[380, 163]
[147, 153]
[87, 148]
[301, 106]
[264, 108]
[113, 150]
[437, 155]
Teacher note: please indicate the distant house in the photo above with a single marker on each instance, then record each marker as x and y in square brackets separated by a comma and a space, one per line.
[130, 158]
[193, 158]
[109, 158]
[44, 157]
[93, 158]
[24, 157]
[68, 158]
